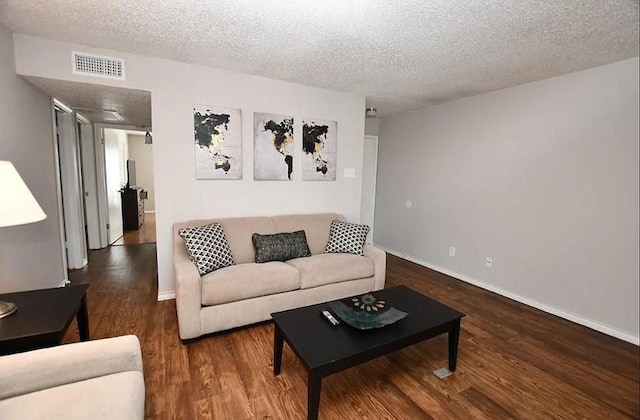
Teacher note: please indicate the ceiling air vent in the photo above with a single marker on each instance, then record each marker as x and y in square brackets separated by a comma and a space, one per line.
[98, 66]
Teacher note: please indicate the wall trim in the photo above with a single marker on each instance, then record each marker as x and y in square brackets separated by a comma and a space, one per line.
[166, 295]
[594, 325]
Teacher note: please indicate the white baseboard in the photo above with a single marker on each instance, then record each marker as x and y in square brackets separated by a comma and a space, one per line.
[166, 295]
[594, 325]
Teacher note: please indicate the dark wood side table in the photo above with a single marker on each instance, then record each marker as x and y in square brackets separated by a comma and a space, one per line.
[43, 317]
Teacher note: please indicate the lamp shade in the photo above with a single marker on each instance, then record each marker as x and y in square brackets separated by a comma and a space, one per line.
[17, 204]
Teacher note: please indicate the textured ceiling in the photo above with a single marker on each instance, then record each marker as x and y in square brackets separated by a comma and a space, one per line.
[401, 54]
[133, 105]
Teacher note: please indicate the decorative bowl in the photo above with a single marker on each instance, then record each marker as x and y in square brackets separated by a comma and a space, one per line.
[366, 312]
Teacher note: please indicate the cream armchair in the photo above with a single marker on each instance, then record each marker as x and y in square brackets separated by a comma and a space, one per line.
[99, 379]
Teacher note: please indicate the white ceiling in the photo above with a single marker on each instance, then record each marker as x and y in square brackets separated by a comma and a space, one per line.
[89, 99]
[400, 54]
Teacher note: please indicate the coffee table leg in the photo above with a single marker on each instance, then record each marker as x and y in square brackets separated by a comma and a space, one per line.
[83, 320]
[454, 335]
[314, 386]
[278, 342]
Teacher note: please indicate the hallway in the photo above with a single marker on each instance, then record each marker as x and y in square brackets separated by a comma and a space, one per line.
[145, 235]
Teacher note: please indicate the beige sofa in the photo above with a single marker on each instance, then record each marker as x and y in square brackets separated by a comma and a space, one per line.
[99, 379]
[248, 292]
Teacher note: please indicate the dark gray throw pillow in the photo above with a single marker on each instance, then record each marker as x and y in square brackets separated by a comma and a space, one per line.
[207, 247]
[280, 246]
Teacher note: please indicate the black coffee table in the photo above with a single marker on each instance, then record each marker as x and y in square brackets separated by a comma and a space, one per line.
[43, 317]
[325, 350]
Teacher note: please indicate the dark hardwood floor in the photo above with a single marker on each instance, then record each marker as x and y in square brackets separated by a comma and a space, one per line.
[145, 235]
[514, 361]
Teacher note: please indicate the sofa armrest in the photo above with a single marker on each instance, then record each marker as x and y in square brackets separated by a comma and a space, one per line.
[188, 291]
[379, 258]
[36, 370]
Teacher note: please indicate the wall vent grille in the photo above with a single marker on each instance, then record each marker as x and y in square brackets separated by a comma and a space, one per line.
[98, 66]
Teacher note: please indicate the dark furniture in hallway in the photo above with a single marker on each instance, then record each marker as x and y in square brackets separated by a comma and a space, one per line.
[132, 207]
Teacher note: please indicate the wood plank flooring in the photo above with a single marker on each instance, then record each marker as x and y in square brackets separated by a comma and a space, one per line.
[514, 361]
[145, 235]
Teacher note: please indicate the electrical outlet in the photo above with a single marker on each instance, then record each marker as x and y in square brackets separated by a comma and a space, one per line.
[452, 251]
[488, 262]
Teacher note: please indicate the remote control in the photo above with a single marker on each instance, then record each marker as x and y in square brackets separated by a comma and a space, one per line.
[327, 315]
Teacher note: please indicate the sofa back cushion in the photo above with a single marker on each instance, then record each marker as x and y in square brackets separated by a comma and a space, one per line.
[238, 231]
[316, 227]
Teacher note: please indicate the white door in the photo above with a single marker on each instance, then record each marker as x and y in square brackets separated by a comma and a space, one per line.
[112, 162]
[72, 196]
[369, 170]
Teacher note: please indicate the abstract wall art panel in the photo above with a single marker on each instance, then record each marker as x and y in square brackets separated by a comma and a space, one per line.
[319, 150]
[273, 147]
[218, 142]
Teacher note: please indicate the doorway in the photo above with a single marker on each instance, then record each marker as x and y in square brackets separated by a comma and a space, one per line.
[125, 165]
[138, 200]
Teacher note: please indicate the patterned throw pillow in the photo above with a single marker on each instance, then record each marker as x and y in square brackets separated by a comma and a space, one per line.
[346, 238]
[280, 246]
[207, 247]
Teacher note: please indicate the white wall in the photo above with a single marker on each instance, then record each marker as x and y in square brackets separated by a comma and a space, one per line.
[175, 88]
[142, 154]
[541, 177]
[30, 255]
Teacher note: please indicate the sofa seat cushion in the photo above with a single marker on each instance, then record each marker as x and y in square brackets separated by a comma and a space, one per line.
[116, 396]
[322, 269]
[245, 281]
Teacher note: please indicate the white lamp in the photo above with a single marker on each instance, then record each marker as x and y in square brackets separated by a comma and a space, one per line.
[17, 207]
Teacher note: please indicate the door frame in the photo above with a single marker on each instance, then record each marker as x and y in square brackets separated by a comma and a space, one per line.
[375, 176]
[101, 174]
[69, 186]
[56, 161]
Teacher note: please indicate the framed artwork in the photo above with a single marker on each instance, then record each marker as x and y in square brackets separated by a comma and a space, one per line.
[319, 150]
[273, 147]
[218, 142]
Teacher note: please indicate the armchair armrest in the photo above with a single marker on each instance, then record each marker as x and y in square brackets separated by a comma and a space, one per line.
[36, 370]
[379, 258]
[188, 290]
